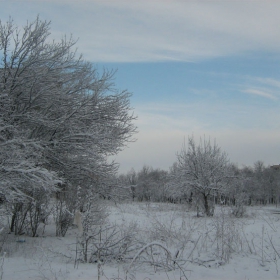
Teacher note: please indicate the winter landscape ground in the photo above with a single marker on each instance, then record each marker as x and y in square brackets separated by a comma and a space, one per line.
[164, 241]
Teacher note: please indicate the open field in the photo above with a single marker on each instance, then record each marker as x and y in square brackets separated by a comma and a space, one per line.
[153, 241]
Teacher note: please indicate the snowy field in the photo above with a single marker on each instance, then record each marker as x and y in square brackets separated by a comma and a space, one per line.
[165, 241]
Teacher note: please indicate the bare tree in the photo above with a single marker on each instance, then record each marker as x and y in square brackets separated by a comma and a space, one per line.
[204, 169]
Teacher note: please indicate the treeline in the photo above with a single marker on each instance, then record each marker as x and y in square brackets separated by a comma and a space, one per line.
[258, 184]
[202, 177]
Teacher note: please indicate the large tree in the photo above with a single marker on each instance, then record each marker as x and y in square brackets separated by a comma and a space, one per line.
[204, 169]
[59, 118]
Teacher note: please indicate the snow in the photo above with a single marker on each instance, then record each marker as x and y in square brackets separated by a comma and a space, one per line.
[254, 241]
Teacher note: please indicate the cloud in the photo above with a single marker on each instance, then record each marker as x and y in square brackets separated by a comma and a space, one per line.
[132, 31]
[246, 132]
[269, 81]
[260, 93]
[210, 112]
[185, 31]
[244, 147]
[265, 87]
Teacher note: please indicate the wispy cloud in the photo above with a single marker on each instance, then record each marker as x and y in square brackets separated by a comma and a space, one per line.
[186, 31]
[131, 31]
[269, 81]
[206, 115]
[260, 93]
[265, 87]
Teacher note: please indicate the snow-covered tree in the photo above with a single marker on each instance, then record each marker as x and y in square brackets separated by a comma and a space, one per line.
[59, 118]
[204, 170]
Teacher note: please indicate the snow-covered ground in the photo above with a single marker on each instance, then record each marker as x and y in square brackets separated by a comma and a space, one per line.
[178, 245]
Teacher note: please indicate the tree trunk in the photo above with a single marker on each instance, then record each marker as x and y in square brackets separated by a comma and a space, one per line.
[208, 207]
[12, 226]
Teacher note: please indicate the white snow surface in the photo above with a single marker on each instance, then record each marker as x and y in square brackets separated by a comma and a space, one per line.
[251, 246]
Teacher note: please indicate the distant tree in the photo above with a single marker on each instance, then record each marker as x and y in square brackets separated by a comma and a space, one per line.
[204, 169]
[273, 185]
[132, 181]
[236, 194]
[177, 189]
[265, 183]
[148, 184]
[143, 189]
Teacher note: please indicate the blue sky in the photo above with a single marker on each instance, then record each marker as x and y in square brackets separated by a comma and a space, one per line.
[194, 67]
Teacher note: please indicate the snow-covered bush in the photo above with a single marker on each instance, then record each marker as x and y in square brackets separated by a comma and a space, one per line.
[30, 212]
[65, 204]
[239, 209]
[102, 242]
[227, 234]
[94, 225]
[3, 235]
